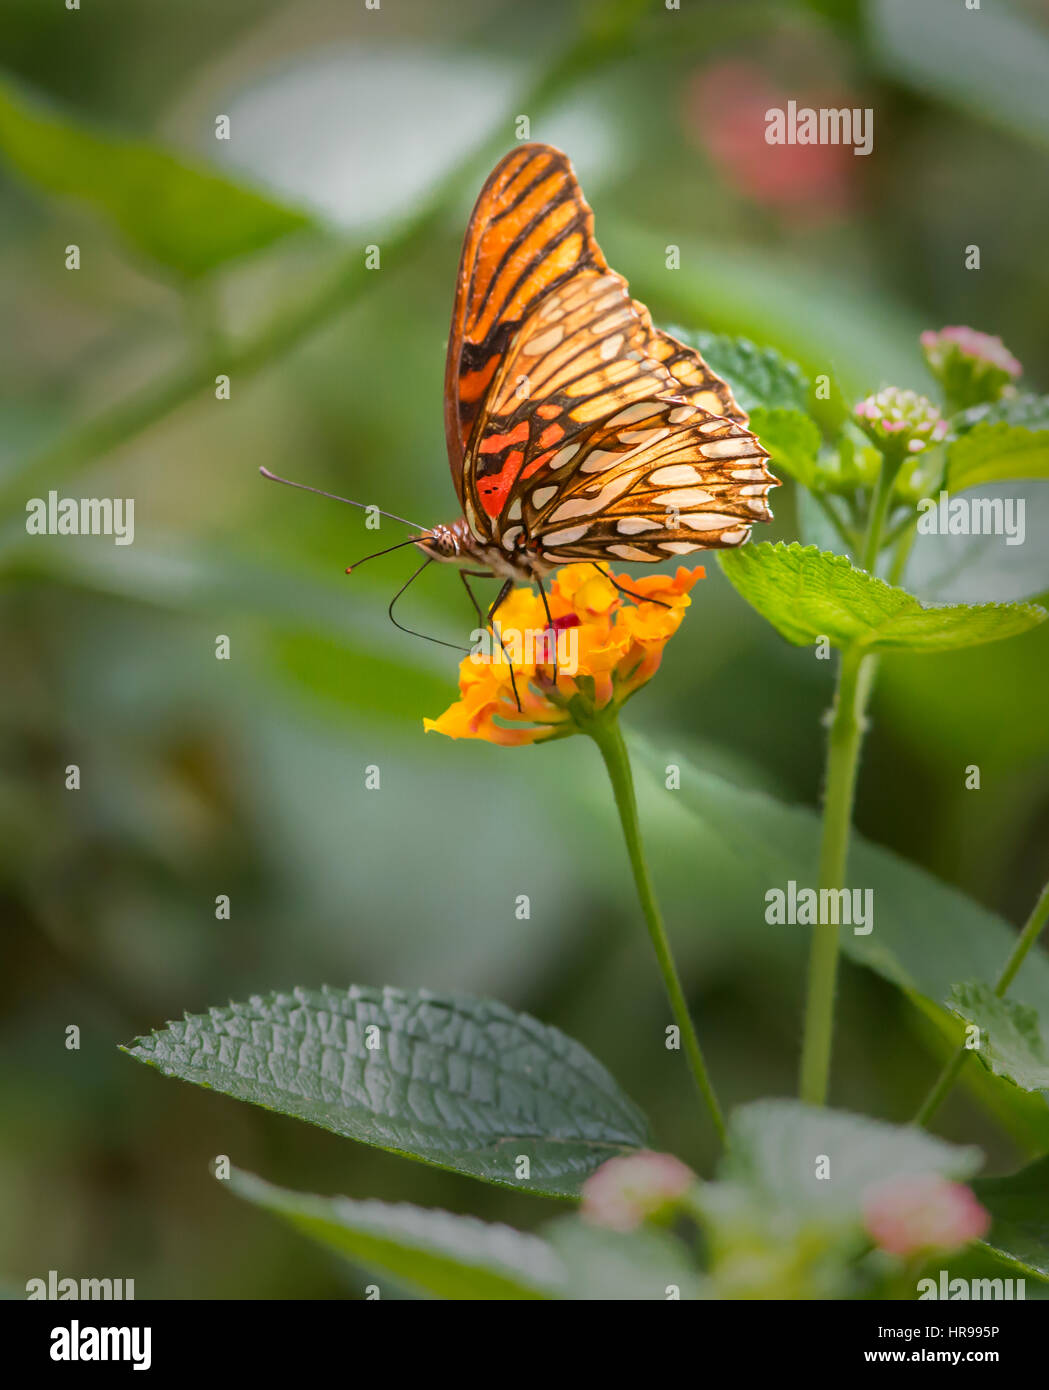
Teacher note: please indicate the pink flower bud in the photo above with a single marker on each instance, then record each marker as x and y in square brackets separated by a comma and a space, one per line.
[626, 1191]
[906, 1216]
[968, 342]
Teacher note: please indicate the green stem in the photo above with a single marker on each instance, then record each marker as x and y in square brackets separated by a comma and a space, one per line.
[607, 735]
[891, 463]
[1028, 936]
[845, 535]
[855, 675]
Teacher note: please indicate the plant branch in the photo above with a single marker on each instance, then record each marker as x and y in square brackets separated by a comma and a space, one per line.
[1028, 936]
[855, 676]
[607, 735]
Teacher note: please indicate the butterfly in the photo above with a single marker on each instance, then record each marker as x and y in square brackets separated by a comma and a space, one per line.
[576, 430]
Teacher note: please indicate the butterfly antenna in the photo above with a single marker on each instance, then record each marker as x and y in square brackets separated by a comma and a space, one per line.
[375, 555]
[364, 506]
[410, 630]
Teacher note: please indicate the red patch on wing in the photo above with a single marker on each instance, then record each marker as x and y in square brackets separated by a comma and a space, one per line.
[537, 463]
[493, 490]
[550, 435]
[497, 442]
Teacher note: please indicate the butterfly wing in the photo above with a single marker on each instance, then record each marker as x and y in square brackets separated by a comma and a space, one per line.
[573, 425]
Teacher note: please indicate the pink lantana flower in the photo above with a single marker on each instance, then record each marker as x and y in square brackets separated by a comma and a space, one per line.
[972, 367]
[907, 1216]
[624, 1192]
[903, 419]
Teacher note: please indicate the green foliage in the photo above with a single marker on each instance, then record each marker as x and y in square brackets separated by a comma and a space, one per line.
[187, 219]
[925, 933]
[1011, 1042]
[774, 1145]
[807, 594]
[429, 1252]
[465, 1084]
[1000, 78]
[996, 453]
[1019, 1206]
[639, 1266]
[792, 439]
[758, 376]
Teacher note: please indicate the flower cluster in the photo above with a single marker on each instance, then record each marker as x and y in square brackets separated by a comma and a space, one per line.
[906, 1216]
[639, 1187]
[972, 367]
[901, 419]
[617, 647]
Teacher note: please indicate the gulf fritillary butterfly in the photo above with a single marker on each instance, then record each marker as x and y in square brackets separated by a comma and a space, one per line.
[575, 429]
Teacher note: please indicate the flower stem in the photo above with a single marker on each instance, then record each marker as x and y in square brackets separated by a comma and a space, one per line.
[855, 675]
[1029, 935]
[607, 735]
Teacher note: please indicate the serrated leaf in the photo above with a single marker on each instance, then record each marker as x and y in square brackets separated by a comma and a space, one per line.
[759, 376]
[431, 1252]
[464, 1084]
[1011, 1043]
[622, 1266]
[792, 439]
[188, 219]
[807, 593]
[1019, 1207]
[996, 454]
[774, 1144]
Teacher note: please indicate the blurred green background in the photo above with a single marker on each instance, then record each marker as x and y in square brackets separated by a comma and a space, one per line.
[246, 777]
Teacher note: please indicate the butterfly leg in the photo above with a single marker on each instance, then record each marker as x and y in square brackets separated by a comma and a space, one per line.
[490, 622]
[549, 622]
[466, 576]
[638, 598]
[410, 630]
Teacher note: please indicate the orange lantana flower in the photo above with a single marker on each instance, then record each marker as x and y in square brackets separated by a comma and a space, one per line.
[607, 646]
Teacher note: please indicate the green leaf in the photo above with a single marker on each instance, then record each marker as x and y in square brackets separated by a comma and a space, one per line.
[758, 376]
[792, 438]
[806, 593]
[622, 1266]
[997, 453]
[431, 1252]
[1011, 1043]
[741, 843]
[774, 1146]
[1032, 412]
[464, 1084]
[189, 219]
[1019, 1206]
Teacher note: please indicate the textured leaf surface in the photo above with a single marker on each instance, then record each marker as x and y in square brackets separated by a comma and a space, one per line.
[775, 1144]
[807, 593]
[1019, 1206]
[465, 1084]
[1011, 1042]
[189, 219]
[997, 453]
[431, 1252]
[792, 439]
[759, 376]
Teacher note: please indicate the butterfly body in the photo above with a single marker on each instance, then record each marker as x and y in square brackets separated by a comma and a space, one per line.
[455, 543]
[576, 430]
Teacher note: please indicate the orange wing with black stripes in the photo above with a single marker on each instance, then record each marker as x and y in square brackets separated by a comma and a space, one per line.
[574, 427]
